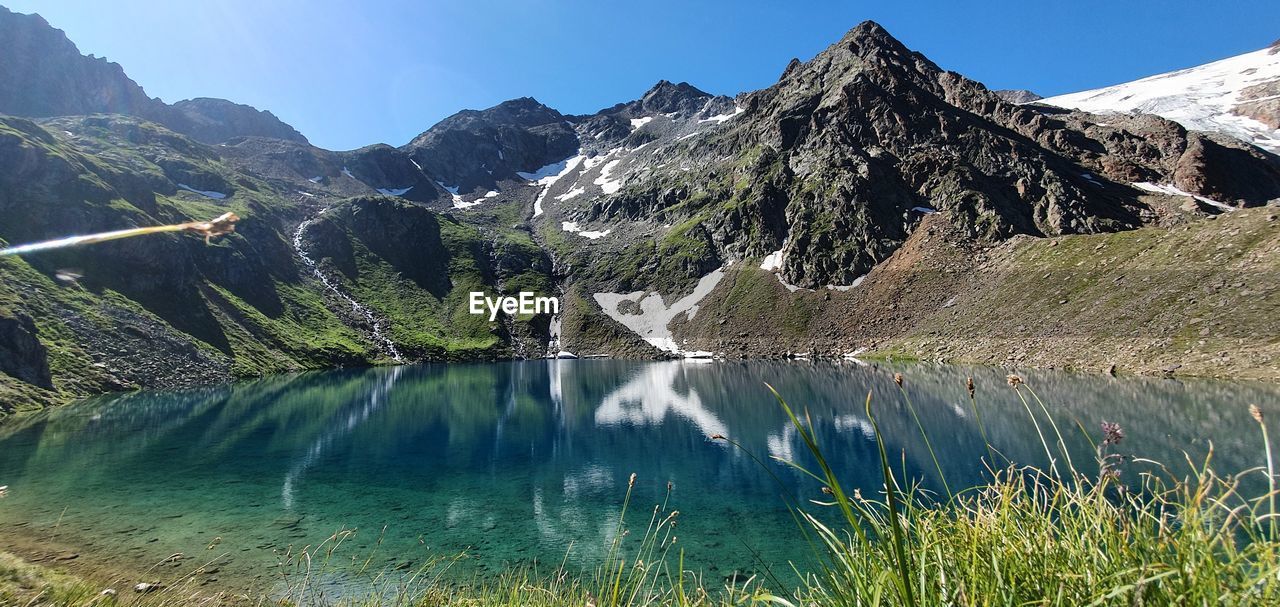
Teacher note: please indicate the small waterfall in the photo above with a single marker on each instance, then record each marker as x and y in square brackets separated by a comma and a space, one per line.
[379, 335]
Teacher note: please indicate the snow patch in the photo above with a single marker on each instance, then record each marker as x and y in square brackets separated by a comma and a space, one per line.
[772, 262]
[1172, 190]
[573, 228]
[594, 161]
[639, 122]
[571, 193]
[925, 210]
[347, 172]
[651, 323]
[721, 118]
[394, 191]
[608, 185]
[316, 179]
[549, 175]
[205, 193]
[458, 202]
[790, 287]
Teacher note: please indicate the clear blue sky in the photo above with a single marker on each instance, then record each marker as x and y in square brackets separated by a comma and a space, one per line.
[351, 73]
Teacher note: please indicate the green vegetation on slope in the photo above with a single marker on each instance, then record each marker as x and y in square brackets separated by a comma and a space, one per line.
[160, 310]
[416, 268]
[1203, 296]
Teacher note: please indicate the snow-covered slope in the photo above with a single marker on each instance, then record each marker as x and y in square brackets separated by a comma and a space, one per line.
[1239, 96]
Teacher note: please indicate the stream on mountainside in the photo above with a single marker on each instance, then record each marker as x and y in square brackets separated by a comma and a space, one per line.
[376, 329]
[517, 462]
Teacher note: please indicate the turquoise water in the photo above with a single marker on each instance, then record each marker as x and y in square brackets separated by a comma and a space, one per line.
[528, 461]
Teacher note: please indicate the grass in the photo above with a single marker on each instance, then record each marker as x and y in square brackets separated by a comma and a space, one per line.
[1069, 535]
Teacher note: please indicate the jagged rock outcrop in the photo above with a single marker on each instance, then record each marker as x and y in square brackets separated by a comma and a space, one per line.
[21, 354]
[1018, 96]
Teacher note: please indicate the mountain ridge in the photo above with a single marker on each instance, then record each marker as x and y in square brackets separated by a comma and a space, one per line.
[44, 75]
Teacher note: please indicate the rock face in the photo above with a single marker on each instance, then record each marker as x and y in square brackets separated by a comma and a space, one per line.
[21, 354]
[218, 120]
[475, 149]
[43, 74]
[1017, 95]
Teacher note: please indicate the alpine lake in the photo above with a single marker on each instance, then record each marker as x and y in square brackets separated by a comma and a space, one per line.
[489, 466]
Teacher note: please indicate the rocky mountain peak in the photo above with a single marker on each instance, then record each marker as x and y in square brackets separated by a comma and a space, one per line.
[217, 120]
[43, 74]
[478, 148]
[870, 38]
[869, 31]
[867, 52]
[523, 111]
[666, 97]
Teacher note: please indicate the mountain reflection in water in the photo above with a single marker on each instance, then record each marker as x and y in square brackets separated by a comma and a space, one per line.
[517, 462]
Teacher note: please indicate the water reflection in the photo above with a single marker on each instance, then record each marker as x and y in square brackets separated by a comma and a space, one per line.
[652, 395]
[345, 422]
[517, 462]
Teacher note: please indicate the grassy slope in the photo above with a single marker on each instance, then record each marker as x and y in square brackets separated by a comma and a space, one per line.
[1204, 295]
[246, 310]
[416, 268]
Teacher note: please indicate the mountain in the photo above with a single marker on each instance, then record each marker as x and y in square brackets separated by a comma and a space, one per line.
[1238, 96]
[43, 74]
[825, 176]
[832, 167]
[307, 280]
[473, 149]
[869, 200]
